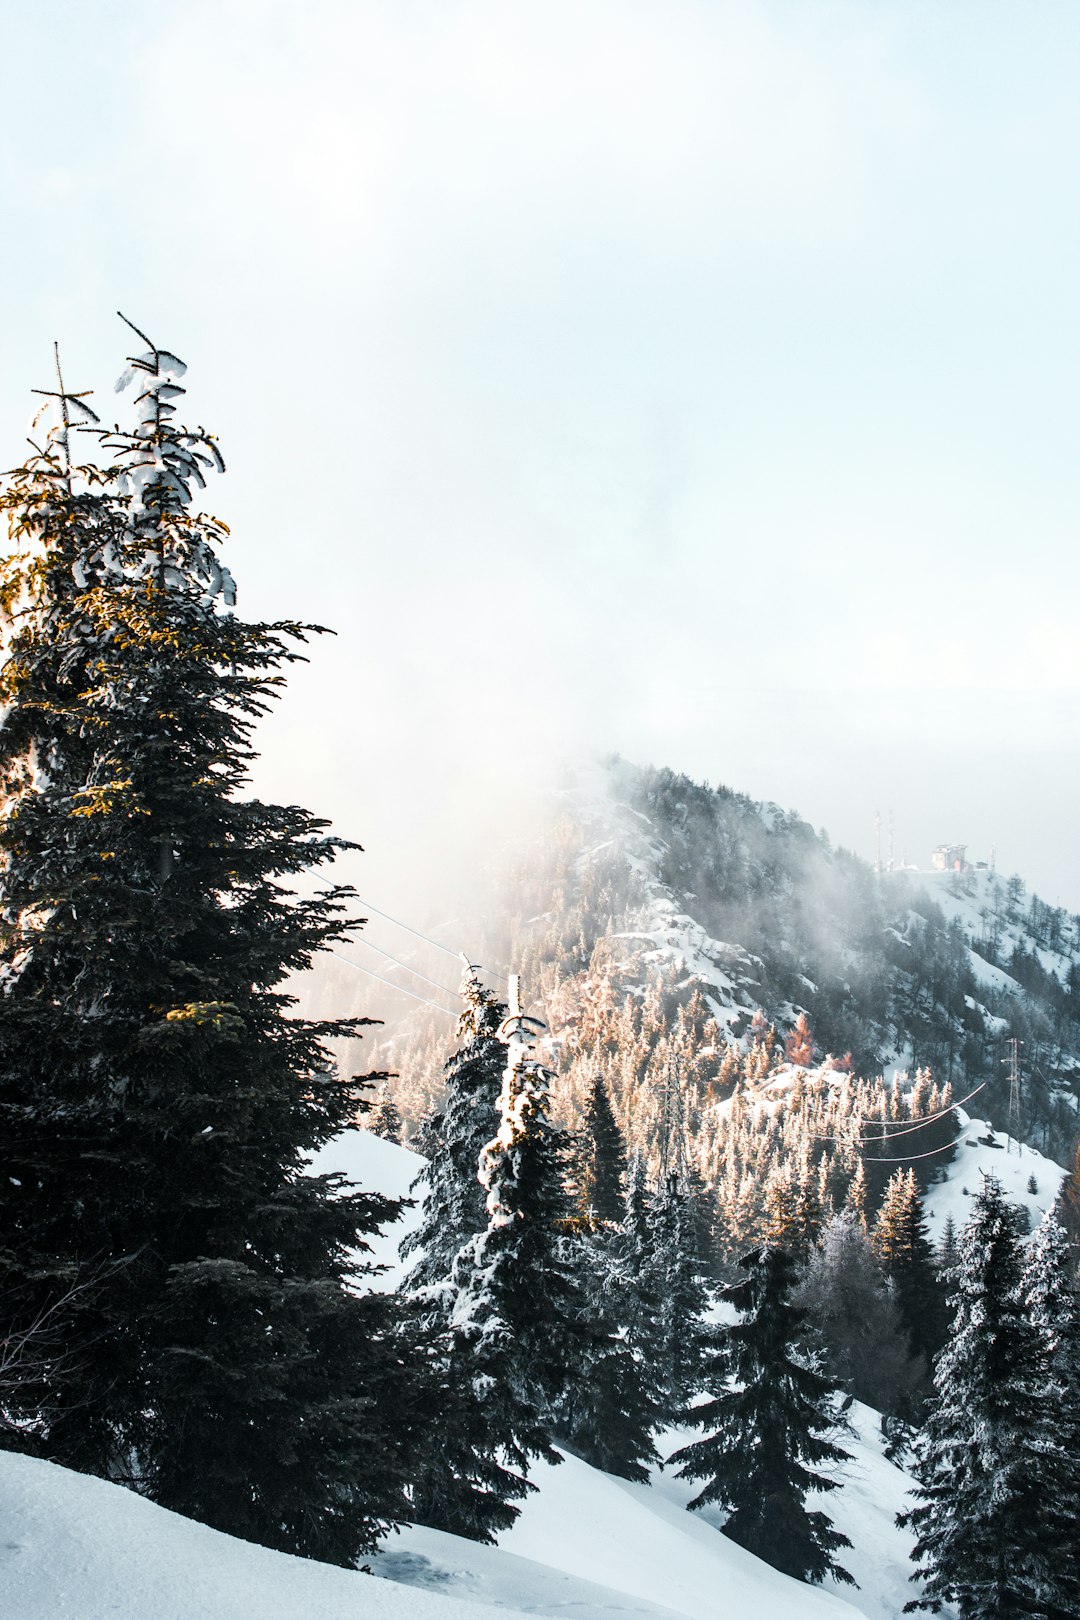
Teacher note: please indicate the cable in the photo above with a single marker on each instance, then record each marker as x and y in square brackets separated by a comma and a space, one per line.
[912, 1125]
[400, 988]
[494, 973]
[360, 940]
[909, 1158]
[426, 937]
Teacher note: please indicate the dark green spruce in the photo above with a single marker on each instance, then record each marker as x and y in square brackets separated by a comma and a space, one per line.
[157, 1099]
[767, 1435]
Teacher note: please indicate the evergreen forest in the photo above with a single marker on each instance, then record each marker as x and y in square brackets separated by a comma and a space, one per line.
[675, 1164]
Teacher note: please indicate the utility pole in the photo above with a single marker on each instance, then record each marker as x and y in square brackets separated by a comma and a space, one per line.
[1013, 1060]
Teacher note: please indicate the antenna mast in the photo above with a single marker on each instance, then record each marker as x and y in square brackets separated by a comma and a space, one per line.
[1013, 1060]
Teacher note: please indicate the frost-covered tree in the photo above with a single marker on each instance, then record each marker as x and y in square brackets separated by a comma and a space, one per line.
[637, 1277]
[988, 1534]
[157, 1100]
[1053, 1306]
[948, 1250]
[619, 1396]
[518, 1302]
[799, 1043]
[385, 1120]
[680, 1294]
[855, 1320]
[903, 1247]
[465, 1483]
[454, 1202]
[610, 1409]
[768, 1429]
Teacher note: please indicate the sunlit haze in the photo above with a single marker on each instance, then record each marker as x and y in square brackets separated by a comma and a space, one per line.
[696, 381]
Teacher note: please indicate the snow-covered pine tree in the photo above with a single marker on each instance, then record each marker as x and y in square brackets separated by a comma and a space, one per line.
[768, 1431]
[157, 1101]
[385, 1120]
[987, 1536]
[1054, 1308]
[638, 1279]
[518, 1302]
[1069, 1206]
[610, 1410]
[454, 1202]
[680, 1293]
[948, 1250]
[856, 1321]
[461, 1484]
[615, 1401]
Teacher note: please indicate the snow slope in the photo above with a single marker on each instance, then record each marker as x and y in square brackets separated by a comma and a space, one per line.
[980, 1150]
[587, 1545]
[595, 1546]
[75, 1548]
[377, 1166]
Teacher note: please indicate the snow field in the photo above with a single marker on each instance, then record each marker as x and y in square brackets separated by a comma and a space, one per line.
[587, 1545]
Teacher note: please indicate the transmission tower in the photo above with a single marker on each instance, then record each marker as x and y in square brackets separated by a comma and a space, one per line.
[1013, 1060]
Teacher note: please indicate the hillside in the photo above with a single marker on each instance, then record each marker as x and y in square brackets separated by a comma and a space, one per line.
[661, 925]
[598, 1546]
[586, 1543]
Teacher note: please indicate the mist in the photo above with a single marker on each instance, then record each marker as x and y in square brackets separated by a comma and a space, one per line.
[688, 381]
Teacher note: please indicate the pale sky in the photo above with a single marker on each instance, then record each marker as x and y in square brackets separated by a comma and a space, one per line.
[693, 380]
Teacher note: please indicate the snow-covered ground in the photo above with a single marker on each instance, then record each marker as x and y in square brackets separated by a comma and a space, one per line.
[74, 1548]
[586, 1544]
[982, 1150]
[377, 1166]
[596, 1547]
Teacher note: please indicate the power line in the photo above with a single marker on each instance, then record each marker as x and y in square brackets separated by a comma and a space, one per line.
[495, 973]
[912, 1125]
[910, 1158]
[360, 940]
[400, 988]
[439, 946]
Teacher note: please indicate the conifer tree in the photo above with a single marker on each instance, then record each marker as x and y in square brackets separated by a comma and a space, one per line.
[603, 1161]
[462, 1484]
[157, 1102]
[518, 1301]
[386, 1120]
[681, 1296]
[987, 1535]
[948, 1249]
[1053, 1307]
[454, 1207]
[906, 1254]
[1069, 1206]
[768, 1430]
[856, 1194]
[856, 1320]
[611, 1408]
[640, 1283]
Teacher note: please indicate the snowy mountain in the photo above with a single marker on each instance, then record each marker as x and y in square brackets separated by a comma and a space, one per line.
[710, 913]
